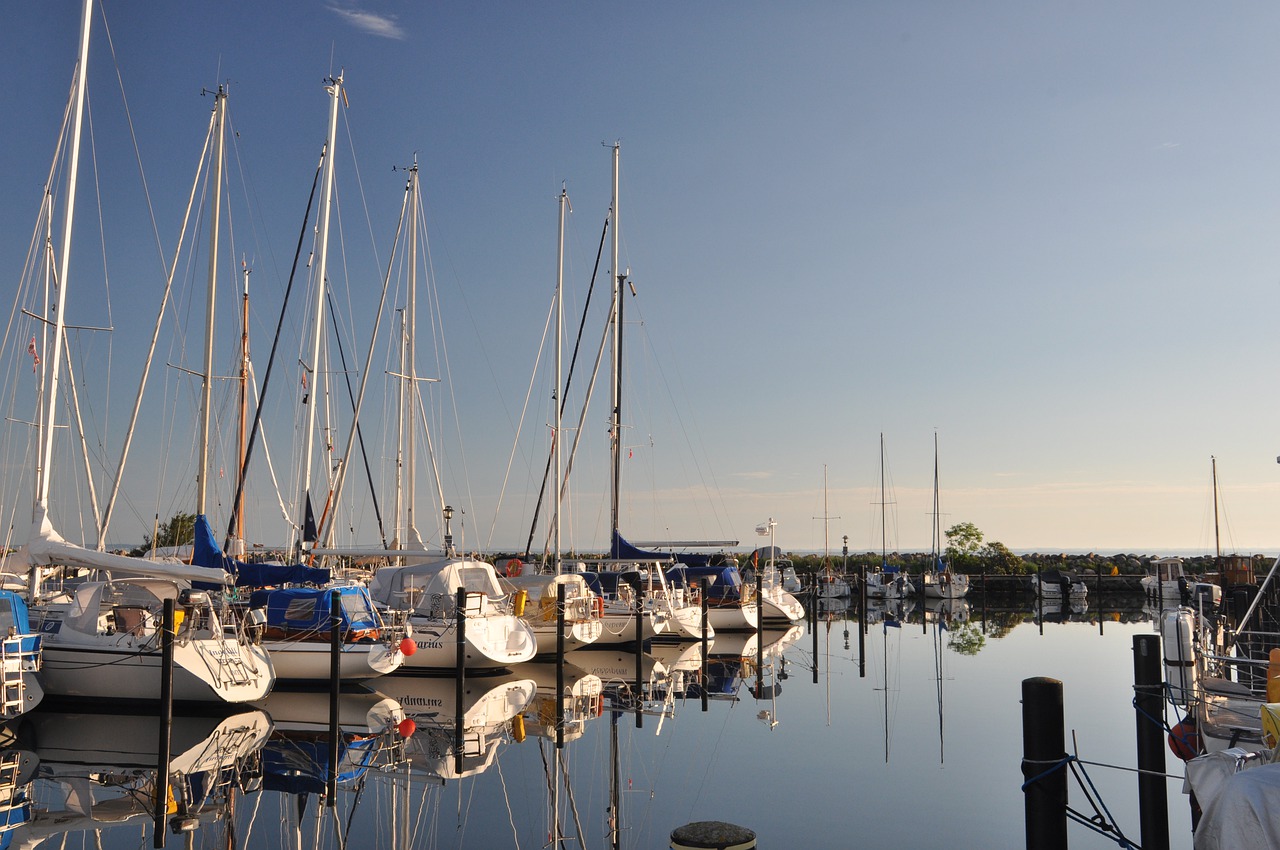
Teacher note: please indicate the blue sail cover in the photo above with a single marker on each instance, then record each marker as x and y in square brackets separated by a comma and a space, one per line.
[301, 766]
[622, 550]
[207, 553]
[727, 586]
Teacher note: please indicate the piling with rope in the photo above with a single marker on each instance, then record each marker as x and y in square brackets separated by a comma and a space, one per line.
[1044, 759]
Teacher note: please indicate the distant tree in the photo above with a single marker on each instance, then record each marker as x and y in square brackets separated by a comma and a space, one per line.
[997, 558]
[179, 530]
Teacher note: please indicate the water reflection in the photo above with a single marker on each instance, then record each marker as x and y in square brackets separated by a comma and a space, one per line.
[614, 749]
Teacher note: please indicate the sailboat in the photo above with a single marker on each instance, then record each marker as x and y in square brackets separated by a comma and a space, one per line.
[829, 585]
[940, 581]
[889, 582]
[101, 638]
[1165, 578]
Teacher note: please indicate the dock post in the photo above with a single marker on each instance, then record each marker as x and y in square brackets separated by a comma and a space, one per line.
[335, 687]
[560, 591]
[1148, 704]
[1043, 755]
[460, 676]
[706, 647]
[166, 721]
[759, 634]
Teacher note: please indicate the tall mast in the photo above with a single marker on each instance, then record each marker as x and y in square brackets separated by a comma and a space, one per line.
[1217, 544]
[64, 264]
[884, 543]
[559, 407]
[242, 441]
[206, 377]
[400, 435]
[334, 88]
[615, 425]
[937, 526]
[411, 368]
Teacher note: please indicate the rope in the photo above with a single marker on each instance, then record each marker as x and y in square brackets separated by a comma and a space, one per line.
[1101, 821]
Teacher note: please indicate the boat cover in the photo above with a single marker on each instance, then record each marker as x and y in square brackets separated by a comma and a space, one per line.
[726, 587]
[207, 553]
[1238, 804]
[298, 609]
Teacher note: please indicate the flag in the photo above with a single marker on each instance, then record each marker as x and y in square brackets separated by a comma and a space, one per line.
[35, 357]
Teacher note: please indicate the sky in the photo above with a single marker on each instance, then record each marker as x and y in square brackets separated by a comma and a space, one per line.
[1043, 234]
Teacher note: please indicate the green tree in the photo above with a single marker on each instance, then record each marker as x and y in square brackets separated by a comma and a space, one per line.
[966, 640]
[997, 558]
[179, 530]
[964, 542]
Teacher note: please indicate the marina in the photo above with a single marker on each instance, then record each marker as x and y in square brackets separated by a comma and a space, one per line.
[911, 730]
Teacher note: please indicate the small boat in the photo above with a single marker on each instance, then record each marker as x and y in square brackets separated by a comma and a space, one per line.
[889, 582]
[583, 609]
[19, 658]
[1059, 584]
[296, 633]
[941, 582]
[1166, 580]
[731, 605]
[427, 594]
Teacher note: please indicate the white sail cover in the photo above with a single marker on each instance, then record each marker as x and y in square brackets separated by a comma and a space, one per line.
[46, 547]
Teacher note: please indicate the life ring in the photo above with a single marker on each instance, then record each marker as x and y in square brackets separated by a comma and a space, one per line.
[514, 567]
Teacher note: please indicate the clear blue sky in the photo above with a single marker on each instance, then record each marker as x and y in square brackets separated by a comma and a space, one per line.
[1046, 233]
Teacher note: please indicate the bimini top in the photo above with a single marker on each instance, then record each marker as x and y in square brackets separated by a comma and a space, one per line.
[308, 609]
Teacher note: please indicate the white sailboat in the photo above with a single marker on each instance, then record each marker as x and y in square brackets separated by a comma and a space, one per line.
[940, 581]
[889, 582]
[101, 638]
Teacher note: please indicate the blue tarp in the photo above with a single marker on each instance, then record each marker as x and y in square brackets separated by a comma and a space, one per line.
[309, 609]
[302, 766]
[728, 581]
[207, 553]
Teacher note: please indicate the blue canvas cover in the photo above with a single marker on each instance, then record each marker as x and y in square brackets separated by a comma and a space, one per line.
[727, 586]
[307, 609]
[207, 553]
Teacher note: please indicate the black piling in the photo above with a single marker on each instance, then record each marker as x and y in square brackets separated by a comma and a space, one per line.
[166, 722]
[1044, 755]
[1148, 704]
[706, 644]
[637, 610]
[335, 688]
[460, 677]
[560, 590]
[759, 634]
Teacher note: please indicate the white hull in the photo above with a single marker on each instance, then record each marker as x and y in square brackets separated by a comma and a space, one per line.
[1172, 590]
[731, 618]
[133, 674]
[780, 605]
[618, 625]
[309, 661]
[937, 586]
[898, 587]
[493, 641]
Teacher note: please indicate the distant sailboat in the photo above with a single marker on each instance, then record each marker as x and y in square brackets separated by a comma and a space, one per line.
[889, 582]
[940, 582]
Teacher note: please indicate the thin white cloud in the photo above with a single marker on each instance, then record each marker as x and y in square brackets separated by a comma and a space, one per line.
[384, 26]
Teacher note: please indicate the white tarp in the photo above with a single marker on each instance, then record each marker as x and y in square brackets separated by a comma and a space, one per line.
[1240, 805]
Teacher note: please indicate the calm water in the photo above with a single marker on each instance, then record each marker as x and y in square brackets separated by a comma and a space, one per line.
[861, 757]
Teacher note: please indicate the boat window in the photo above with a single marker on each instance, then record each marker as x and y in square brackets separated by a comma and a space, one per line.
[476, 580]
[301, 609]
[7, 620]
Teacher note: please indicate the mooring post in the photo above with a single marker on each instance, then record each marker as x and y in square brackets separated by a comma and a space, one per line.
[1148, 706]
[759, 634]
[1044, 754]
[706, 644]
[638, 603]
[460, 676]
[335, 688]
[166, 721]
[560, 602]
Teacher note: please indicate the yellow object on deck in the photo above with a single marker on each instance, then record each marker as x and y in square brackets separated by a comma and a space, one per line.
[1273, 676]
[518, 603]
[1270, 724]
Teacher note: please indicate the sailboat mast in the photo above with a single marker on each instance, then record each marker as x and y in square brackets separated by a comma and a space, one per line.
[616, 319]
[411, 367]
[400, 435]
[1217, 543]
[937, 524]
[884, 543]
[64, 264]
[244, 403]
[564, 205]
[206, 377]
[312, 365]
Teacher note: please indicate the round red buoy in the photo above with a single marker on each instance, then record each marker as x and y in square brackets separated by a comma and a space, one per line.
[1184, 739]
[406, 728]
[408, 647]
